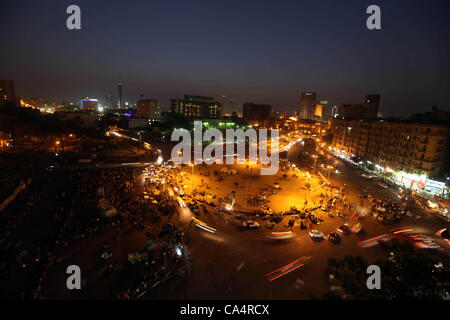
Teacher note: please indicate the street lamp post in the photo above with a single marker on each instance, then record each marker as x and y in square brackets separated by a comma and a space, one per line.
[329, 168]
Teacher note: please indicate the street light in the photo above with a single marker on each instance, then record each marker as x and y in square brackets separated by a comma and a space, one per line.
[329, 168]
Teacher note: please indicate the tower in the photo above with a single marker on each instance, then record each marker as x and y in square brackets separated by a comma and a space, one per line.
[119, 100]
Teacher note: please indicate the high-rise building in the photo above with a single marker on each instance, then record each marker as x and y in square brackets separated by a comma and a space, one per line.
[7, 94]
[407, 146]
[119, 99]
[196, 107]
[89, 104]
[321, 112]
[256, 112]
[361, 111]
[149, 109]
[354, 111]
[307, 105]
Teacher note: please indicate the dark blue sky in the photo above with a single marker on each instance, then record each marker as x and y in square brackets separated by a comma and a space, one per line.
[258, 51]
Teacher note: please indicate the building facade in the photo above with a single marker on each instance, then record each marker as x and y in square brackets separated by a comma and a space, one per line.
[149, 109]
[307, 105]
[196, 107]
[361, 111]
[404, 146]
[89, 104]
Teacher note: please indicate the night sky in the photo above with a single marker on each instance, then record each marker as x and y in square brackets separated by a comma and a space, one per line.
[250, 51]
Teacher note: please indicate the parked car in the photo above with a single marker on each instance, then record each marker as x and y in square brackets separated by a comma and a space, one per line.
[315, 234]
[250, 224]
[382, 185]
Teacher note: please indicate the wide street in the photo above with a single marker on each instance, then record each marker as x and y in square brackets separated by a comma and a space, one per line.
[232, 262]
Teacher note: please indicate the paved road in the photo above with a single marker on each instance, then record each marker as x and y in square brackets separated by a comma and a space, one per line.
[217, 256]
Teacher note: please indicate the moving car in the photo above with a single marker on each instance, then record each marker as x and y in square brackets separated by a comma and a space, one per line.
[345, 229]
[365, 176]
[315, 234]
[424, 242]
[444, 234]
[334, 237]
[357, 228]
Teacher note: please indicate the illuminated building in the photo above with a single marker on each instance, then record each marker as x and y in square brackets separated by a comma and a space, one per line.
[405, 146]
[318, 111]
[149, 109]
[196, 107]
[89, 104]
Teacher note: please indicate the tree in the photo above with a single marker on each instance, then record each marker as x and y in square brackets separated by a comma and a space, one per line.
[407, 273]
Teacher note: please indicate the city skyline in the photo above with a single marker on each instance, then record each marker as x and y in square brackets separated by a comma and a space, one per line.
[220, 158]
[252, 52]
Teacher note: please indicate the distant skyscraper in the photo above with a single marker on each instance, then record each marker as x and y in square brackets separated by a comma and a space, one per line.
[307, 105]
[119, 100]
[7, 94]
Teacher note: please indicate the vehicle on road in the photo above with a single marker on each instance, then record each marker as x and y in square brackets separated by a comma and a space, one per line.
[345, 229]
[315, 234]
[444, 234]
[424, 242]
[428, 244]
[357, 228]
[250, 224]
[382, 185]
[365, 176]
[334, 237]
[281, 235]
